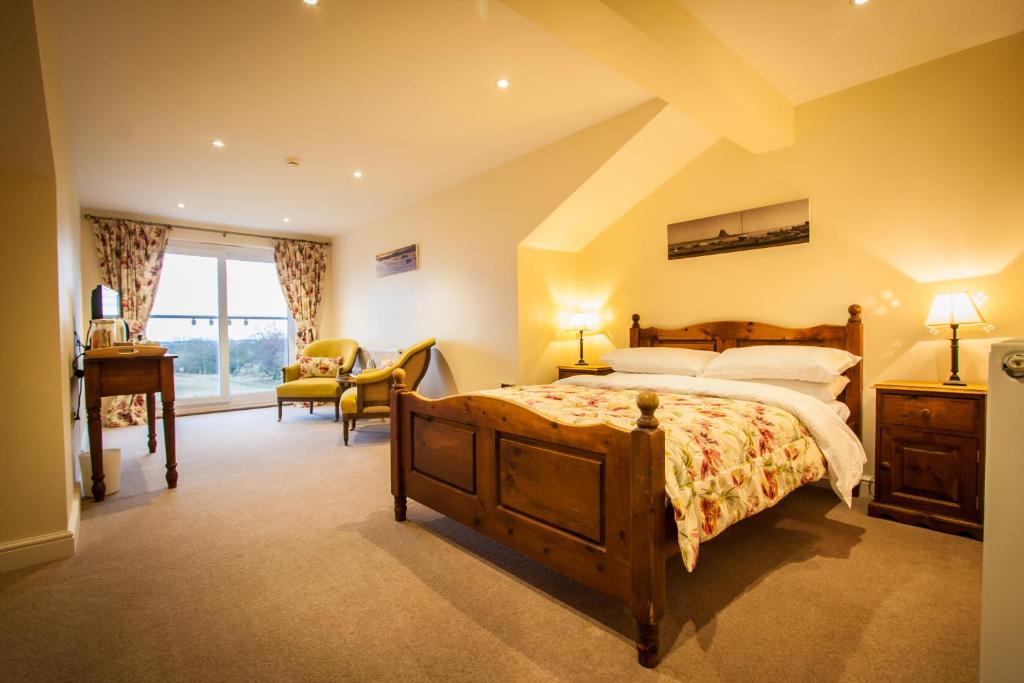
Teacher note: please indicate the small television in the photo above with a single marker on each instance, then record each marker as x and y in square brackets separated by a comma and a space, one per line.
[106, 303]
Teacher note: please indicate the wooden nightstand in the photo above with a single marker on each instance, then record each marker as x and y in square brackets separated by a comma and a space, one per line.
[930, 455]
[570, 370]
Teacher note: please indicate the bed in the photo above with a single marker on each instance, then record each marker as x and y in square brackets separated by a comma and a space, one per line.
[589, 499]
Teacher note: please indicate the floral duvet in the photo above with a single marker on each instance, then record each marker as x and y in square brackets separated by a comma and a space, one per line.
[725, 459]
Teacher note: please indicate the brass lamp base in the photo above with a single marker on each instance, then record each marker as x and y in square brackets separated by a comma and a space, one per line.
[954, 352]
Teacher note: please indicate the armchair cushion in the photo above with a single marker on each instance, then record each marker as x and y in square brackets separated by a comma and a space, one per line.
[310, 387]
[319, 366]
[345, 349]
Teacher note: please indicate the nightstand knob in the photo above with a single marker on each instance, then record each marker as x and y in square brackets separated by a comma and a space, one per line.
[926, 413]
[885, 465]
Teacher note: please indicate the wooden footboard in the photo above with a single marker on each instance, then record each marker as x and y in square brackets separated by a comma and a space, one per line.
[587, 501]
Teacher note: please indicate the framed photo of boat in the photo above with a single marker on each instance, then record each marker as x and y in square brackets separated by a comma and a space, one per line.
[398, 260]
[767, 226]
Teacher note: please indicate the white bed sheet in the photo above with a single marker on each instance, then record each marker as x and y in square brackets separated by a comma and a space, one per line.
[842, 449]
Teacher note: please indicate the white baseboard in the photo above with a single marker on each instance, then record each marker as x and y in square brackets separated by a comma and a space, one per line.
[58, 545]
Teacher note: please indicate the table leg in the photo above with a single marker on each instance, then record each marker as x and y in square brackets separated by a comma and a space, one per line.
[151, 420]
[93, 408]
[172, 462]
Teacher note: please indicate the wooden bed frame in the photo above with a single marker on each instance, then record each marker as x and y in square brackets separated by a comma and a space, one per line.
[587, 501]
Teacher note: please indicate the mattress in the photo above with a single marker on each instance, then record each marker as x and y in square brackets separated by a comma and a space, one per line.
[728, 454]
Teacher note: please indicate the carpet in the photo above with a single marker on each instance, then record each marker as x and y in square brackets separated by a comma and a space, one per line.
[278, 559]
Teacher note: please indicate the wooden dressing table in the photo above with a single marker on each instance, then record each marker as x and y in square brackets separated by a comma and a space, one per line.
[117, 376]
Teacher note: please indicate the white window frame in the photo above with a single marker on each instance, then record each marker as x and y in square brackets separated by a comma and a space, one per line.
[223, 253]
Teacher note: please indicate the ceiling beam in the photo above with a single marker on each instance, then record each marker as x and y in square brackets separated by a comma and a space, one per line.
[666, 144]
[665, 49]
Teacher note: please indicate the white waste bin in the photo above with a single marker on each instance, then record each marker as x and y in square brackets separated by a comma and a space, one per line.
[111, 471]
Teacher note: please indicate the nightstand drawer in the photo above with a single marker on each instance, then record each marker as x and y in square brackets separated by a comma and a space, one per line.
[930, 412]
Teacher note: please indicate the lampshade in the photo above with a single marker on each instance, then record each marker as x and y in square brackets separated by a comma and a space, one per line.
[954, 309]
[586, 322]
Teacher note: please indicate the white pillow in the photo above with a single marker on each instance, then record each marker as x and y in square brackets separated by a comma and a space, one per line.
[826, 392]
[841, 409]
[805, 363]
[661, 360]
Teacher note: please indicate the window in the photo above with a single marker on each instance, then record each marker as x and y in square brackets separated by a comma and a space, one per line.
[222, 312]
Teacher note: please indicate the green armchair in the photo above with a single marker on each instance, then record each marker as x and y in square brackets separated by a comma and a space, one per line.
[317, 389]
[371, 395]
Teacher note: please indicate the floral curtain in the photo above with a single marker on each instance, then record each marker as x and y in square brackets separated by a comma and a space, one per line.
[131, 257]
[300, 268]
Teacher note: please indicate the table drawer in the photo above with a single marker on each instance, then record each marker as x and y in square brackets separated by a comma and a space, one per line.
[952, 414]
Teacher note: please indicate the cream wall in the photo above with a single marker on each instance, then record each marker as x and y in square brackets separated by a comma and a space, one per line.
[38, 503]
[68, 246]
[465, 292]
[916, 187]
[546, 292]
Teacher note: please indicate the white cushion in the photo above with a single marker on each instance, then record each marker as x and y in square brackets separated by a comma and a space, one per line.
[826, 392]
[805, 363]
[660, 360]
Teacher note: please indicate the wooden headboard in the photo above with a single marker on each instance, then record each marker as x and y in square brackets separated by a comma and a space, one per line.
[728, 334]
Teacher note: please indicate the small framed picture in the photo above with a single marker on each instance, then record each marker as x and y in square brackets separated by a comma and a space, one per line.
[398, 260]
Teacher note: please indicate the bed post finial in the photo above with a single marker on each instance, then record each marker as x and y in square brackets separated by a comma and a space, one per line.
[636, 320]
[399, 375]
[855, 310]
[647, 402]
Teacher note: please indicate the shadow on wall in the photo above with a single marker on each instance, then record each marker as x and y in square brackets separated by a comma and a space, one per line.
[439, 380]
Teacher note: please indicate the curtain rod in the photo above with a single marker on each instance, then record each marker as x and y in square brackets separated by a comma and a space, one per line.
[218, 232]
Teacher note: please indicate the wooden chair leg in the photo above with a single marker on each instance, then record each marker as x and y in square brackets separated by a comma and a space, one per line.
[337, 410]
[310, 407]
[344, 428]
[280, 403]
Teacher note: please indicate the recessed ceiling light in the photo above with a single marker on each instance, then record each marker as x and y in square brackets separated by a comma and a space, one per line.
[218, 143]
[357, 174]
[502, 83]
[180, 205]
[310, 2]
[859, 2]
[287, 220]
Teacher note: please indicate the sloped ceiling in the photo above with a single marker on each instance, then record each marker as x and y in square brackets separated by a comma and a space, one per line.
[811, 48]
[405, 92]
[648, 159]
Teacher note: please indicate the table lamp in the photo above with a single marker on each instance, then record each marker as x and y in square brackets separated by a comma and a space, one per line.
[954, 310]
[583, 322]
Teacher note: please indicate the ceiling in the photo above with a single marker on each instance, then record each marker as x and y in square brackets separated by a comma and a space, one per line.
[402, 90]
[810, 48]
